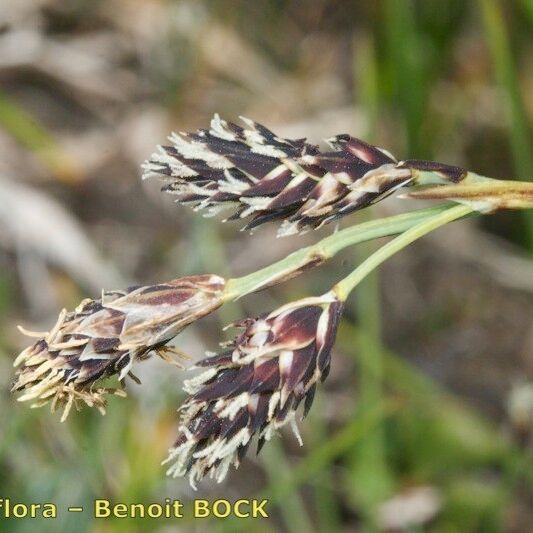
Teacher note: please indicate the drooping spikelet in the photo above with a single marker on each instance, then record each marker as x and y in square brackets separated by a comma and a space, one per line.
[254, 386]
[264, 177]
[104, 337]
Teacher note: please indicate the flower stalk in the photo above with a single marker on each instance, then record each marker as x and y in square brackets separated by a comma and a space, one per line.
[318, 253]
[256, 384]
[344, 287]
[479, 193]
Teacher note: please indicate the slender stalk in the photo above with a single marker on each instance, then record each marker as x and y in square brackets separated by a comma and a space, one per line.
[346, 285]
[326, 248]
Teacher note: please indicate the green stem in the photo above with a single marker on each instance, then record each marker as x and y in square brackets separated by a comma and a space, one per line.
[428, 177]
[345, 286]
[326, 248]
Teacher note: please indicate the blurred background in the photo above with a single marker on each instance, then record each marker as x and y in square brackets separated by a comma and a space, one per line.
[426, 421]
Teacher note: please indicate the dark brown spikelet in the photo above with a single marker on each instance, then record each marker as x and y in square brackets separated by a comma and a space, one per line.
[254, 386]
[263, 177]
[104, 337]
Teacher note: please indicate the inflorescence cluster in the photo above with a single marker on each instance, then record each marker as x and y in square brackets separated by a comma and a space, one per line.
[259, 380]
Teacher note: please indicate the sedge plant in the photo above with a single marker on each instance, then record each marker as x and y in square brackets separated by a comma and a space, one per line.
[266, 377]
